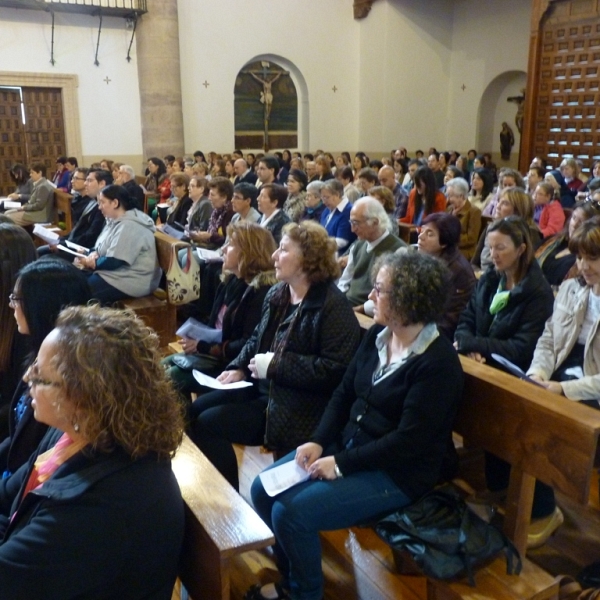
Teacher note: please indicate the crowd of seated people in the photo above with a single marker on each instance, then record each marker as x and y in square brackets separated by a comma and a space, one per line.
[331, 237]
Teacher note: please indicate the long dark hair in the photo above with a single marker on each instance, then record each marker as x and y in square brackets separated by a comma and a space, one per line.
[425, 175]
[45, 287]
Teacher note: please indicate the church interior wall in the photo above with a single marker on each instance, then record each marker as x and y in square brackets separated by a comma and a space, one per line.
[109, 114]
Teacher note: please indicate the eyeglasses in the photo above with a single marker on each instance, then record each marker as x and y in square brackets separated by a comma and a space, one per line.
[13, 300]
[31, 379]
[379, 291]
[594, 203]
[356, 222]
[78, 178]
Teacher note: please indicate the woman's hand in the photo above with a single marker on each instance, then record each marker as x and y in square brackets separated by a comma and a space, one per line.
[231, 376]
[87, 262]
[189, 346]
[307, 454]
[323, 468]
[13, 196]
[476, 356]
[343, 261]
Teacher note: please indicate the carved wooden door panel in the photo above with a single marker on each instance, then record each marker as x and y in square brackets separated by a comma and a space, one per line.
[45, 129]
[567, 120]
[12, 138]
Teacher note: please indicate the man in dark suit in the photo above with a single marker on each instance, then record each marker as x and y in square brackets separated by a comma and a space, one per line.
[242, 173]
[127, 177]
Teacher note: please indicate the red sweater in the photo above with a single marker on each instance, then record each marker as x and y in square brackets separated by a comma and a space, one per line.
[438, 206]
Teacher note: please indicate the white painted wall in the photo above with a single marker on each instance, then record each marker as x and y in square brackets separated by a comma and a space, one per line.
[489, 38]
[217, 38]
[109, 113]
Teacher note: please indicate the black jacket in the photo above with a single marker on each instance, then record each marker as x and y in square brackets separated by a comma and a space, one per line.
[514, 331]
[102, 527]
[88, 228]
[402, 425]
[318, 349]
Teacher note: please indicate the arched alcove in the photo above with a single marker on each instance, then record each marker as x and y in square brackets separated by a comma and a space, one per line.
[494, 108]
[301, 89]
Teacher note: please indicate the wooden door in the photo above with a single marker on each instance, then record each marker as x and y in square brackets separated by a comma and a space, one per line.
[562, 118]
[12, 138]
[44, 127]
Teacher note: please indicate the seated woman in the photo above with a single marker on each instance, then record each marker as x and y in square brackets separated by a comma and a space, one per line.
[386, 198]
[512, 300]
[506, 316]
[157, 182]
[569, 169]
[554, 256]
[296, 356]
[469, 216]
[567, 356]
[552, 217]
[16, 251]
[336, 216]
[512, 202]
[98, 496]
[271, 200]
[424, 199]
[176, 215]
[295, 202]
[123, 263]
[482, 187]
[440, 236]
[237, 309]
[323, 164]
[24, 184]
[220, 195]
[507, 178]
[385, 437]
[199, 213]
[557, 181]
[42, 290]
[40, 206]
[314, 206]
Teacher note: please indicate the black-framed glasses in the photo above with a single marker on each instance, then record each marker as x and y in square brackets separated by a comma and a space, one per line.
[31, 378]
[13, 300]
[593, 202]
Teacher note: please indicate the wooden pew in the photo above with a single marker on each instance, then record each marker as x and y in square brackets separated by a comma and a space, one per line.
[156, 310]
[62, 205]
[219, 525]
[542, 435]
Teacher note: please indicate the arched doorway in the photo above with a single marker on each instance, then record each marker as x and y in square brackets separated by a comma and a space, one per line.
[494, 109]
[270, 90]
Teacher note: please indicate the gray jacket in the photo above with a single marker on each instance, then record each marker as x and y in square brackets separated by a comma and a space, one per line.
[40, 206]
[560, 336]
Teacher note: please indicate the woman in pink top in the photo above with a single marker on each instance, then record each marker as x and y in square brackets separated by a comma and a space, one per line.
[552, 218]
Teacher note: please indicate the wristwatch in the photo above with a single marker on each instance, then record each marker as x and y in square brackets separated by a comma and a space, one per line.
[338, 473]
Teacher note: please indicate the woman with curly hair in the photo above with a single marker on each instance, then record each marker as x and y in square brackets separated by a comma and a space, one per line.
[386, 435]
[295, 357]
[102, 474]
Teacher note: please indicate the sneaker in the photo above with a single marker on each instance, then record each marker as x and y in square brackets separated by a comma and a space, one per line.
[541, 529]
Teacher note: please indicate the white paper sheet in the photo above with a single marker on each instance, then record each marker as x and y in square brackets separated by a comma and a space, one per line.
[194, 330]
[209, 255]
[11, 204]
[283, 477]
[512, 368]
[49, 236]
[211, 382]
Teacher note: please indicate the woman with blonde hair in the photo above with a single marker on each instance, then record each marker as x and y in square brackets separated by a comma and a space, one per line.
[385, 196]
[296, 356]
[247, 277]
[102, 473]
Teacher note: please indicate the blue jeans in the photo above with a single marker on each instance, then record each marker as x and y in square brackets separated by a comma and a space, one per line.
[106, 293]
[297, 515]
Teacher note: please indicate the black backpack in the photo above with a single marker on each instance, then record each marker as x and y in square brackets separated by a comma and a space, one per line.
[445, 538]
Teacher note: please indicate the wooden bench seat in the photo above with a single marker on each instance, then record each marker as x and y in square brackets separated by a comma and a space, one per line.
[542, 436]
[219, 525]
[155, 309]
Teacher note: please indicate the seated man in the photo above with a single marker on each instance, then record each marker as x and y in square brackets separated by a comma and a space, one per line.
[370, 223]
[90, 224]
[40, 206]
[127, 176]
[243, 202]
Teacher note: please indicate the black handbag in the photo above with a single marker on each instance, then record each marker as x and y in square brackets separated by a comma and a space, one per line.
[201, 362]
[444, 538]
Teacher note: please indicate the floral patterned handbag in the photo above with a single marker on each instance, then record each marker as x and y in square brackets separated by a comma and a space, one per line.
[183, 283]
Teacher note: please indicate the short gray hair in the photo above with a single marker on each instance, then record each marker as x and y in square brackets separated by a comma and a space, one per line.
[128, 169]
[374, 210]
[459, 185]
[315, 187]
